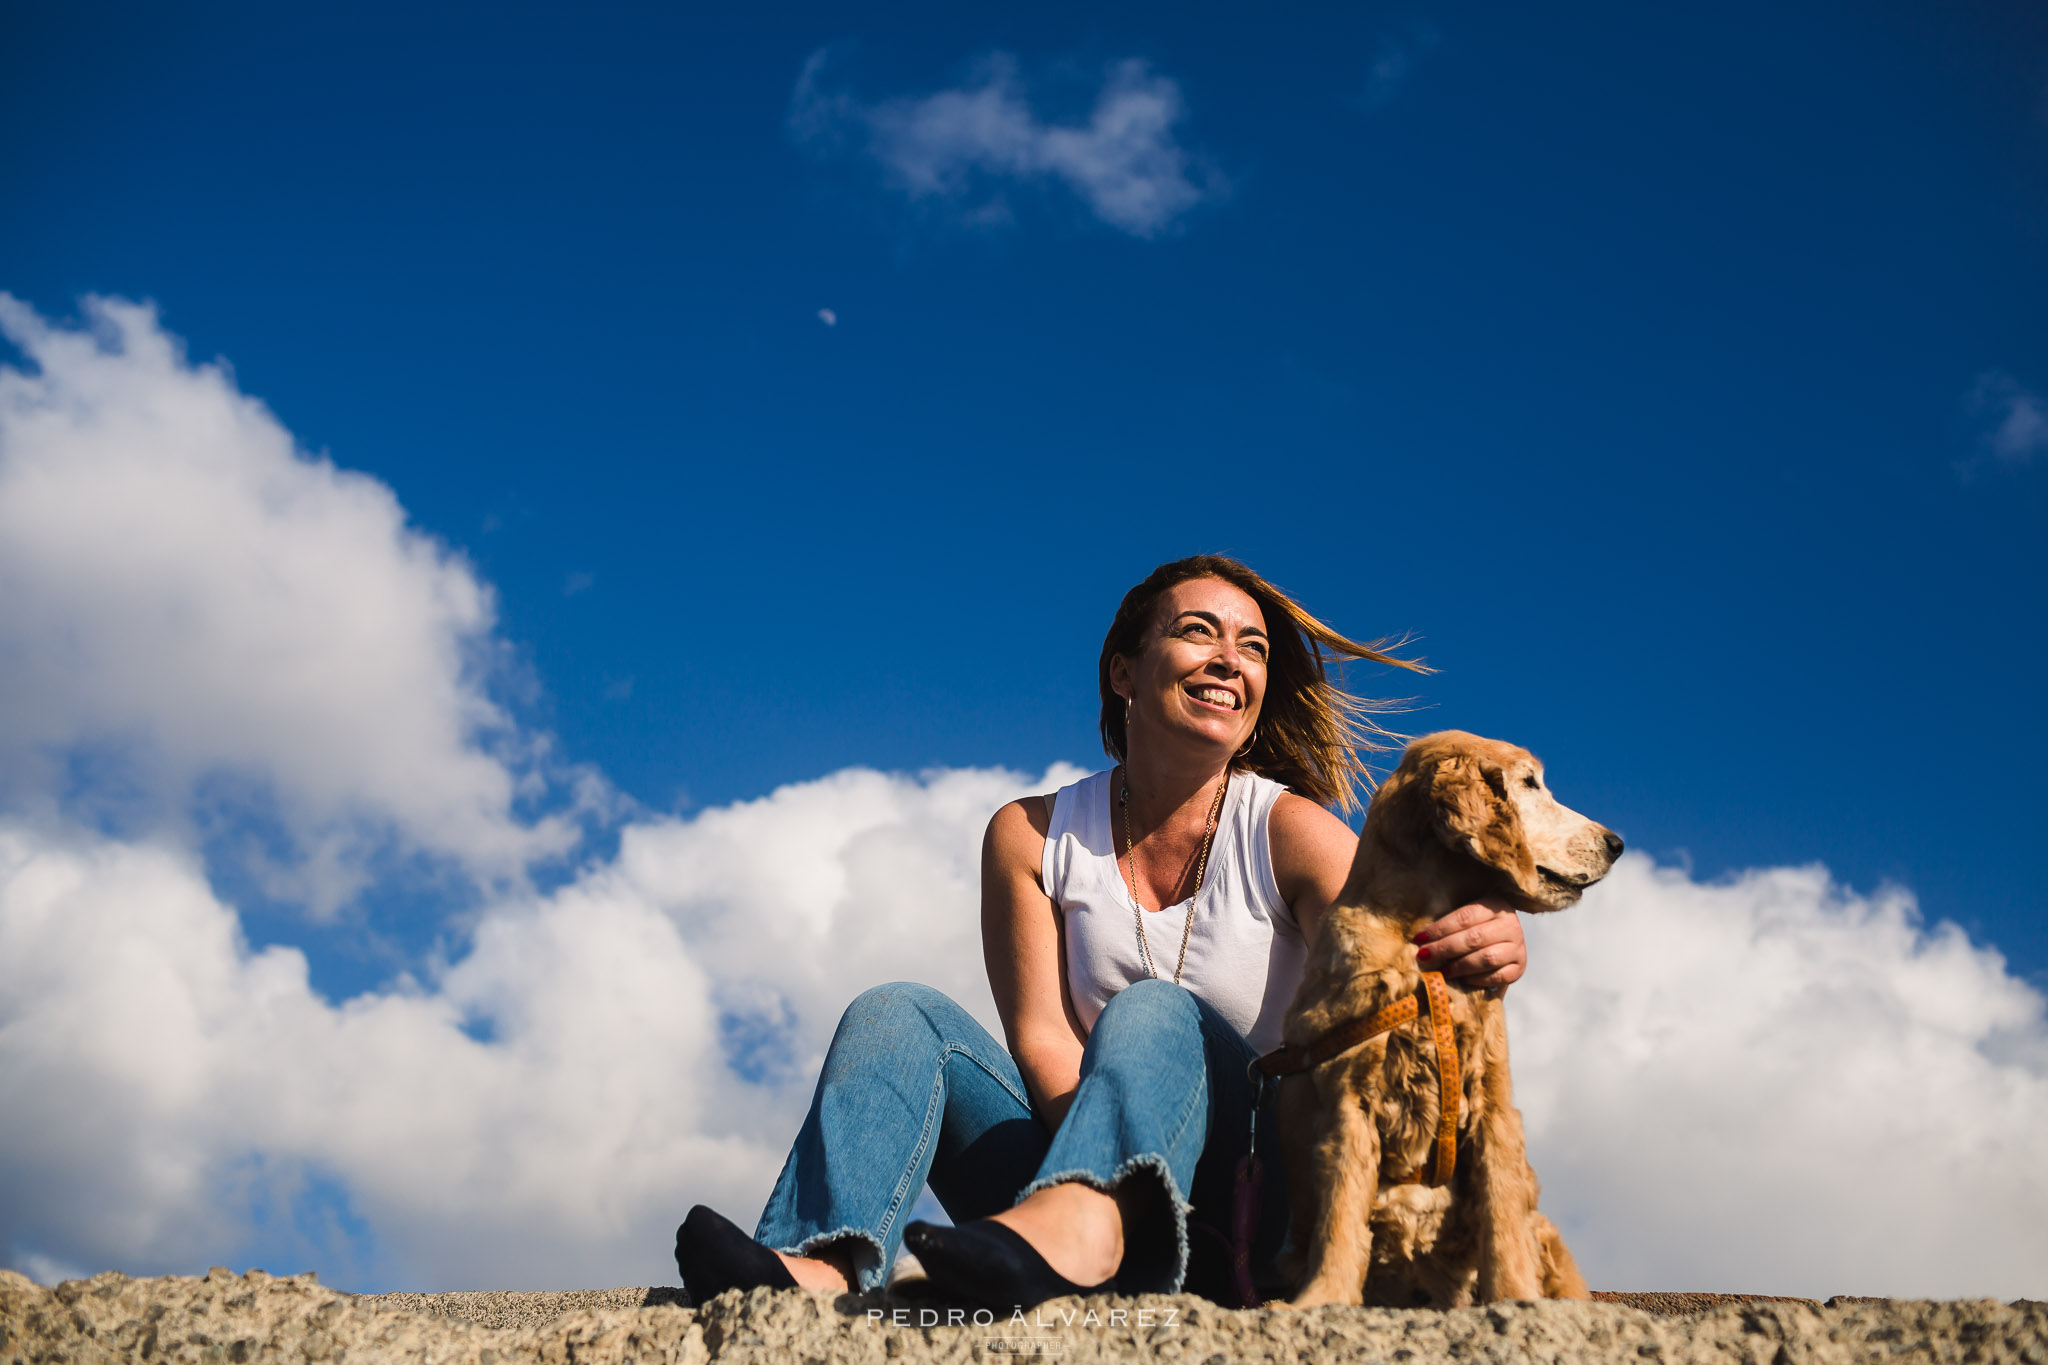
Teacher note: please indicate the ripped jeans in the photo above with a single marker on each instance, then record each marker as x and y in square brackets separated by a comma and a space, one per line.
[914, 1090]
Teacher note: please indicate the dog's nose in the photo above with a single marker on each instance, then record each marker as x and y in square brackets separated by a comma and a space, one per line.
[1614, 845]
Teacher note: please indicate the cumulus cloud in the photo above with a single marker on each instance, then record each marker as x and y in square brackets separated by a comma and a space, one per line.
[188, 1092]
[539, 1113]
[1769, 1083]
[1774, 1085]
[191, 604]
[964, 145]
[2017, 417]
[189, 601]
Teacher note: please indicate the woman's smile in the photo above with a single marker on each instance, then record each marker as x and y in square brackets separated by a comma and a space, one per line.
[1219, 698]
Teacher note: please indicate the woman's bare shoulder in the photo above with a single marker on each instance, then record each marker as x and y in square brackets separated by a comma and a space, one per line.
[1297, 817]
[1017, 831]
[1311, 847]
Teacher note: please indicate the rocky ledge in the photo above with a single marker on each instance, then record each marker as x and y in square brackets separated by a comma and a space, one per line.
[228, 1319]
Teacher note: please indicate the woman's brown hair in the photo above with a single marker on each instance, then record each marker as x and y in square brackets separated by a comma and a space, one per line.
[1312, 734]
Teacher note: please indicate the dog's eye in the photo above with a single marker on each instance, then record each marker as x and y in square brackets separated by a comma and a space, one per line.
[1531, 782]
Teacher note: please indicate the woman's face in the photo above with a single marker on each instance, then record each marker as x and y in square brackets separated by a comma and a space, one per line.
[1200, 675]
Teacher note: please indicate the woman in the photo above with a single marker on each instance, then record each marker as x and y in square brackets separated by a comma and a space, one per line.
[1144, 931]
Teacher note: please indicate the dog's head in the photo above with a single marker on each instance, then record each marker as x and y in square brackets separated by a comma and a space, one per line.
[1485, 801]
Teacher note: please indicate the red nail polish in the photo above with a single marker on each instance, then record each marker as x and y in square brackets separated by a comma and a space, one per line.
[1422, 954]
[1422, 937]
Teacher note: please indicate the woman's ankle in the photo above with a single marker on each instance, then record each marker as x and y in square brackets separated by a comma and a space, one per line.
[829, 1272]
[1075, 1229]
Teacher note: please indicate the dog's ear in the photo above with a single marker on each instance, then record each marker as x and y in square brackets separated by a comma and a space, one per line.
[1469, 801]
[1400, 812]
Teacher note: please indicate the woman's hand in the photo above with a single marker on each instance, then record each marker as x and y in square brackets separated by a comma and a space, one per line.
[1478, 947]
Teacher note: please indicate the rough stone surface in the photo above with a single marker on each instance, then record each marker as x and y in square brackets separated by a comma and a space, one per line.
[1685, 1305]
[227, 1319]
[510, 1308]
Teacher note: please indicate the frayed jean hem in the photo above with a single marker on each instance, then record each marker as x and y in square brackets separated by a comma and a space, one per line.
[1176, 1204]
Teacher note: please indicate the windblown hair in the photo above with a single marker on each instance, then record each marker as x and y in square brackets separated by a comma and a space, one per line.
[1312, 734]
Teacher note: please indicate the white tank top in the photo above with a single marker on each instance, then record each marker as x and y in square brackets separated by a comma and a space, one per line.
[1245, 953]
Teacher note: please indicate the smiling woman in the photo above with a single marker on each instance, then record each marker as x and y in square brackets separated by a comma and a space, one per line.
[1069, 1159]
[1309, 733]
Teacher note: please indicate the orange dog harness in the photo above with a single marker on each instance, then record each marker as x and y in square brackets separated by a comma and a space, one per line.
[1292, 1060]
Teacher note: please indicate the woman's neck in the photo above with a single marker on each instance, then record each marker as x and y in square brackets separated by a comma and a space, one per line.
[1166, 794]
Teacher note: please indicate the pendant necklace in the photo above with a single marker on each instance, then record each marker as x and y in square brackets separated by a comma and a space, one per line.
[1201, 865]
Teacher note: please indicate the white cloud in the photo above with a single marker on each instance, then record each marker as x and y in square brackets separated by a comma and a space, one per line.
[1768, 1084]
[828, 317]
[541, 1113]
[2017, 416]
[189, 602]
[1773, 1085]
[185, 1090]
[962, 145]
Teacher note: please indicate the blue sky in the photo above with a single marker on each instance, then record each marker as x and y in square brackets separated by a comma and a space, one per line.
[1624, 356]
[1673, 375]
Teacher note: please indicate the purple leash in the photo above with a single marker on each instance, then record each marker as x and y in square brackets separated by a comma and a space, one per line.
[1244, 1205]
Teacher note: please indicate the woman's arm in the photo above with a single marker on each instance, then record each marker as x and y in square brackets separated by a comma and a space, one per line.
[1022, 949]
[1479, 945]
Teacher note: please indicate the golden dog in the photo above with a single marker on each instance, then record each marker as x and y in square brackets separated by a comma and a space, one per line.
[1462, 818]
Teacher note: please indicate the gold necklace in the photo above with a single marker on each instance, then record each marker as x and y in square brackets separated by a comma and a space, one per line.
[1201, 866]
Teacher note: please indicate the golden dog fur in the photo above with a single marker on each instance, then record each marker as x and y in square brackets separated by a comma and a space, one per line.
[1462, 818]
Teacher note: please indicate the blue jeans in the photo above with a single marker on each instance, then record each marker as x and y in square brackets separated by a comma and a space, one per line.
[915, 1091]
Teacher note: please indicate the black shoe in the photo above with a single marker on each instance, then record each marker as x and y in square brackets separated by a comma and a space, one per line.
[990, 1266]
[714, 1256]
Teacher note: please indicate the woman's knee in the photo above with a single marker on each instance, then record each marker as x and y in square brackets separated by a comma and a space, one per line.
[1149, 1011]
[1155, 998]
[900, 1014]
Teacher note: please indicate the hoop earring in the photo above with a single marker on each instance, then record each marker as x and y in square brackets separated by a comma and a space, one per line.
[1248, 744]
